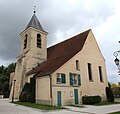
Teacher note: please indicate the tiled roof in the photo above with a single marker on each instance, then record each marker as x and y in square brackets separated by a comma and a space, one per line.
[34, 22]
[60, 53]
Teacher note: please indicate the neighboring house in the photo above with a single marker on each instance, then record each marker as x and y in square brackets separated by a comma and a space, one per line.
[118, 84]
[114, 85]
[63, 73]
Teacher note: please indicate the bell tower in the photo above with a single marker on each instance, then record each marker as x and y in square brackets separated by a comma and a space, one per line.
[33, 51]
[33, 43]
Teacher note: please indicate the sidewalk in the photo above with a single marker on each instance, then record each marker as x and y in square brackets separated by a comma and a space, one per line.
[10, 108]
[117, 99]
[88, 109]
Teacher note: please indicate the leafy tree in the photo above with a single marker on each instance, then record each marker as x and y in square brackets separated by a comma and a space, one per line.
[116, 91]
[109, 85]
[2, 69]
[4, 78]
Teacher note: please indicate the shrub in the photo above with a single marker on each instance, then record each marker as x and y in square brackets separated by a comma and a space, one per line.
[28, 92]
[24, 96]
[91, 99]
[27, 87]
[6, 94]
[109, 93]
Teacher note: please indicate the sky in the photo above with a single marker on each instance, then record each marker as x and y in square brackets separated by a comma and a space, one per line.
[62, 19]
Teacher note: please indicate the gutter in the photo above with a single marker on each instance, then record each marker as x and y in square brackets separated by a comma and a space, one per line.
[51, 98]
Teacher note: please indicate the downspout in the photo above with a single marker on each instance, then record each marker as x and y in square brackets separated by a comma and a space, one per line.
[51, 99]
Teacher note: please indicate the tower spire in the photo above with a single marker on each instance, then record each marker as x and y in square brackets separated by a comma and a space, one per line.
[34, 9]
[34, 22]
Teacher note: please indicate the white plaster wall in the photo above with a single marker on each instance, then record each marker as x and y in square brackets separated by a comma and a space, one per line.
[89, 54]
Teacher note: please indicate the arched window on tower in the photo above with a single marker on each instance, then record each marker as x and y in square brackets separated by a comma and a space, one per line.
[38, 40]
[25, 41]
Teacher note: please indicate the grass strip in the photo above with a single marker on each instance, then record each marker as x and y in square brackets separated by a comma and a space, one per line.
[39, 106]
[115, 112]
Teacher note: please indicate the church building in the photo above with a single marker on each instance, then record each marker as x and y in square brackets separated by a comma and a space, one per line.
[64, 72]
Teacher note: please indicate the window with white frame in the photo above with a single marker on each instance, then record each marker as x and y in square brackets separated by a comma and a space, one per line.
[61, 78]
[75, 79]
[58, 78]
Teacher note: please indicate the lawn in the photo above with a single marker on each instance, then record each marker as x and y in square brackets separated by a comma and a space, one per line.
[115, 112]
[38, 106]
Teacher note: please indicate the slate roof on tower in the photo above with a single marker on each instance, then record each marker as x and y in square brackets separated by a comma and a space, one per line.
[34, 22]
[60, 53]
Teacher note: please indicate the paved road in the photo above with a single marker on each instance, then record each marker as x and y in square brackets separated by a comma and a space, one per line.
[9, 108]
[96, 109]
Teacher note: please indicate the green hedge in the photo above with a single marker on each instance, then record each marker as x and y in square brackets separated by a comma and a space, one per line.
[109, 93]
[6, 94]
[91, 99]
[28, 92]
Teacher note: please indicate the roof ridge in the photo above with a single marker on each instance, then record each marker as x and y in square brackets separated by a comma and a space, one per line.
[59, 54]
[69, 38]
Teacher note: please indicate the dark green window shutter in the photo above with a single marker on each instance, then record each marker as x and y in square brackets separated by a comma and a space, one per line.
[63, 78]
[71, 79]
[79, 80]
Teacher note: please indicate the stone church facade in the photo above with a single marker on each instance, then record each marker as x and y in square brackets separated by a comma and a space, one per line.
[64, 72]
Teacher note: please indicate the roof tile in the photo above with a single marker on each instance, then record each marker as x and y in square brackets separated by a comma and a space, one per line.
[34, 22]
[60, 53]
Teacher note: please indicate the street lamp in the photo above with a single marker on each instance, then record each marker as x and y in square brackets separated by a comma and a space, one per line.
[117, 61]
[13, 90]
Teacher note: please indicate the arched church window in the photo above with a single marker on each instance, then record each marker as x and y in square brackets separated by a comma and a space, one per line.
[38, 40]
[25, 41]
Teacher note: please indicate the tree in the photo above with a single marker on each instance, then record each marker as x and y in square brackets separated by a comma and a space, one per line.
[2, 69]
[116, 91]
[109, 85]
[4, 78]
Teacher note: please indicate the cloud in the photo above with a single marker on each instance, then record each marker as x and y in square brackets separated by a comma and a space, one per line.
[70, 19]
[11, 24]
[61, 19]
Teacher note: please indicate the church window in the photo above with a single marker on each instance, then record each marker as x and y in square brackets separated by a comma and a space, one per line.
[38, 40]
[77, 65]
[100, 73]
[25, 41]
[90, 72]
